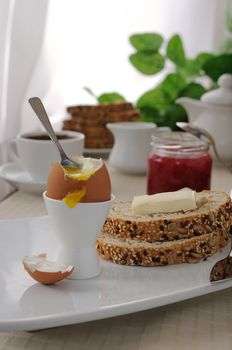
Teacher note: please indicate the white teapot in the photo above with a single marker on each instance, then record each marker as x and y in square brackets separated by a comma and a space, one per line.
[214, 114]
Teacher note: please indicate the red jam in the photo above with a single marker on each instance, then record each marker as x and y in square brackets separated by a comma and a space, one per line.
[178, 160]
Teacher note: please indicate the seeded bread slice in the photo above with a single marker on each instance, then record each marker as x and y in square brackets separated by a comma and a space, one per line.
[213, 213]
[130, 252]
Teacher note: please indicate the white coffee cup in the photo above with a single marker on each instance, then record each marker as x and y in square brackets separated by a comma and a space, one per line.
[76, 230]
[35, 151]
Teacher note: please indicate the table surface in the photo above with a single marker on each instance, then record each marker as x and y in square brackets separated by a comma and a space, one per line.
[200, 323]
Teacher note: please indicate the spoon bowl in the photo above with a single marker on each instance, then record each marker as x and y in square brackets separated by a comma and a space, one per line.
[41, 113]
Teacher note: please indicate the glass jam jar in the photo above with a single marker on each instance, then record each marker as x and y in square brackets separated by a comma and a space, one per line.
[178, 159]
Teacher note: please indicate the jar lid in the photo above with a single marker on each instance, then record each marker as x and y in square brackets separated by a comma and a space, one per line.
[221, 96]
[178, 142]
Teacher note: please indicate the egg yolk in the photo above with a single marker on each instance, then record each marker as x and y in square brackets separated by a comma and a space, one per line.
[73, 198]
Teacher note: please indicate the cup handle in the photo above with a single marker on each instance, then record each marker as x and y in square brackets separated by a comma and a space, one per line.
[11, 151]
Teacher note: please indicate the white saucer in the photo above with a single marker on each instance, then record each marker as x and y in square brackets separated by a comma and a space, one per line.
[14, 174]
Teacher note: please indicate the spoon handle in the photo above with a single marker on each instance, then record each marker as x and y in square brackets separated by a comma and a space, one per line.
[213, 143]
[41, 113]
[195, 130]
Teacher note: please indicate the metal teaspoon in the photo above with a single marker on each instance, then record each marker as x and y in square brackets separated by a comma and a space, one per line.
[41, 113]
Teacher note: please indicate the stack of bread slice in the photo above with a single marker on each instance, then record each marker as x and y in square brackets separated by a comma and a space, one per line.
[167, 238]
[91, 120]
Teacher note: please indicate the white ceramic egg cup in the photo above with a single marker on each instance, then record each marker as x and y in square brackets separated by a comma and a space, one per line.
[77, 230]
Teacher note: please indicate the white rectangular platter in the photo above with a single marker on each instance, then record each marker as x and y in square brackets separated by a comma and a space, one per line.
[28, 305]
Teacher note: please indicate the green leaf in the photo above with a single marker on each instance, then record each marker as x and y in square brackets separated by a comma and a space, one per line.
[154, 102]
[111, 97]
[147, 62]
[146, 41]
[193, 90]
[203, 57]
[175, 113]
[175, 50]
[149, 114]
[172, 84]
[155, 99]
[217, 66]
[190, 70]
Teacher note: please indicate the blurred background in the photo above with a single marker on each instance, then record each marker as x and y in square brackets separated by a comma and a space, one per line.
[53, 48]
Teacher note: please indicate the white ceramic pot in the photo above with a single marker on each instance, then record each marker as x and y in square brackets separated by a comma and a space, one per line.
[131, 146]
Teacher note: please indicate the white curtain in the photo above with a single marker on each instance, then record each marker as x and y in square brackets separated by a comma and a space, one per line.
[22, 25]
[23, 28]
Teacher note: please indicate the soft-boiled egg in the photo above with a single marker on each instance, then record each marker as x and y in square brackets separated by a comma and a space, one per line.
[90, 183]
[45, 271]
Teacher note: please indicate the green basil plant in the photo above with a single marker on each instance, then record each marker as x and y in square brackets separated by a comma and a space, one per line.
[152, 55]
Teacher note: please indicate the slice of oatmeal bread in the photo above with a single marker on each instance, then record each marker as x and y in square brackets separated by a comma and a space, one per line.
[213, 213]
[190, 250]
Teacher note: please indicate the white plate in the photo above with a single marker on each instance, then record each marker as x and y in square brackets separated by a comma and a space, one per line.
[14, 174]
[27, 305]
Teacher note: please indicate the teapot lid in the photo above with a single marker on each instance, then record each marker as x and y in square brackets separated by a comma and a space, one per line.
[223, 95]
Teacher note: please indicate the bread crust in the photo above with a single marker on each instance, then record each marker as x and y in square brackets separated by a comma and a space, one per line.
[91, 120]
[192, 250]
[214, 214]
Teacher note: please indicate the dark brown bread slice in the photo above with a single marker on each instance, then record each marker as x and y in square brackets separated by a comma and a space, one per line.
[94, 118]
[68, 123]
[98, 143]
[94, 139]
[82, 122]
[222, 270]
[122, 106]
[214, 213]
[96, 131]
[132, 115]
[131, 252]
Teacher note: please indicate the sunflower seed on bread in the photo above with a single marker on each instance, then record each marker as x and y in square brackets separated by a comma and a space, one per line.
[132, 252]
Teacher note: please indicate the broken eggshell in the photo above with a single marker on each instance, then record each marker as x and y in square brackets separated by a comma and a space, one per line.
[45, 271]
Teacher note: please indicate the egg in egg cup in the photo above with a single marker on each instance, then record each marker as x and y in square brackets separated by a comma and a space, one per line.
[78, 202]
